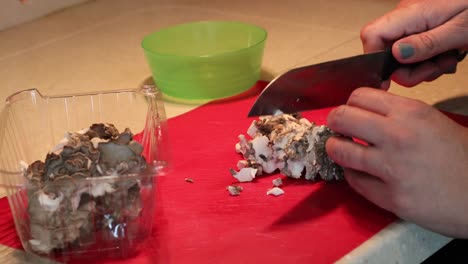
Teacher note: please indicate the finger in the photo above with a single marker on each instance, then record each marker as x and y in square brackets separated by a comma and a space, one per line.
[372, 188]
[425, 45]
[394, 25]
[426, 71]
[409, 18]
[412, 76]
[385, 85]
[349, 154]
[374, 100]
[355, 122]
[378, 34]
[433, 77]
[447, 63]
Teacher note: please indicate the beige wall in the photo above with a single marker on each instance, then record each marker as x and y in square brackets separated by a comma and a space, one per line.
[14, 12]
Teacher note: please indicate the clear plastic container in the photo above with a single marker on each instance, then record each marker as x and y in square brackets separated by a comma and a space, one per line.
[91, 198]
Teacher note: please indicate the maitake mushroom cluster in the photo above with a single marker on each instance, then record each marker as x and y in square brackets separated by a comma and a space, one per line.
[289, 143]
[65, 205]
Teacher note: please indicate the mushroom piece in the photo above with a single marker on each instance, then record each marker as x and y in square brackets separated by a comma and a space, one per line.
[113, 154]
[277, 182]
[276, 191]
[245, 174]
[103, 131]
[189, 180]
[66, 204]
[234, 190]
[290, 144]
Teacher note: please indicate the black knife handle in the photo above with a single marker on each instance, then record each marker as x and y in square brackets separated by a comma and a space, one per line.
[391, 64]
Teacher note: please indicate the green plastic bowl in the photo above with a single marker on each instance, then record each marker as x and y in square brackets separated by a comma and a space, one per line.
[205, 60]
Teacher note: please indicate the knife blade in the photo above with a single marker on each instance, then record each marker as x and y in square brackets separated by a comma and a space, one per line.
[326, 84]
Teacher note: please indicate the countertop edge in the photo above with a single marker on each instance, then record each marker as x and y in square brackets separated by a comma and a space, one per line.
[400, 242]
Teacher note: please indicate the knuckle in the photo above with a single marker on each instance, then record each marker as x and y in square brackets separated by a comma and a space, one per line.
[370, 37]
[365, 33]
[418, 109]
[357, 160]
[401, 140]
[336, 116]
[353, 158]
[341, 111]
[433, 76]
[428, 41]
[340, 153]
[357, 94]
[336, 151]
[364, 95]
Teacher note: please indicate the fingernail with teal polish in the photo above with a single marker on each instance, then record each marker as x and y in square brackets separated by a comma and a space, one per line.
[406, 50]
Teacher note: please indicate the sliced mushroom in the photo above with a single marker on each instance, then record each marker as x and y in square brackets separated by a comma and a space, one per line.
[63, 196]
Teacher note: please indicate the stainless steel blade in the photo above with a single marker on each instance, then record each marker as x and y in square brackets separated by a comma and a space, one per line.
[331, 83]
[323, 85]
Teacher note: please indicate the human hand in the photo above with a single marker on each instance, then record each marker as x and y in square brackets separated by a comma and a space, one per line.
[418, 30]
[415, 163]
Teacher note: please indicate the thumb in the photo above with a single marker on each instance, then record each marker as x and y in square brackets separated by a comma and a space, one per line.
[419, 47]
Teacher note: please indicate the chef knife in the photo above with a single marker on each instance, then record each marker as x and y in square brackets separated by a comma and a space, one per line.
[326, 84]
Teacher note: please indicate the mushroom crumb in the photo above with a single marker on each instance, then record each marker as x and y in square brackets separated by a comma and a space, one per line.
[277, 182]
[190, 180]
[276, 191]
[288, 143]
[65, 206]
[234, 190]
[245, 174]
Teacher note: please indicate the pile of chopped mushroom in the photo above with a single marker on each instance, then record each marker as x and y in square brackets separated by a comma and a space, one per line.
[65, 206]
[288, 143]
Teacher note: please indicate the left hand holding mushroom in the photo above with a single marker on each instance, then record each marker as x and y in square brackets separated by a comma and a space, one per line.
[415, 163]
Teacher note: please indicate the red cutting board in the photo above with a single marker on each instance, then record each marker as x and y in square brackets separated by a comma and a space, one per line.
[200, 223]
